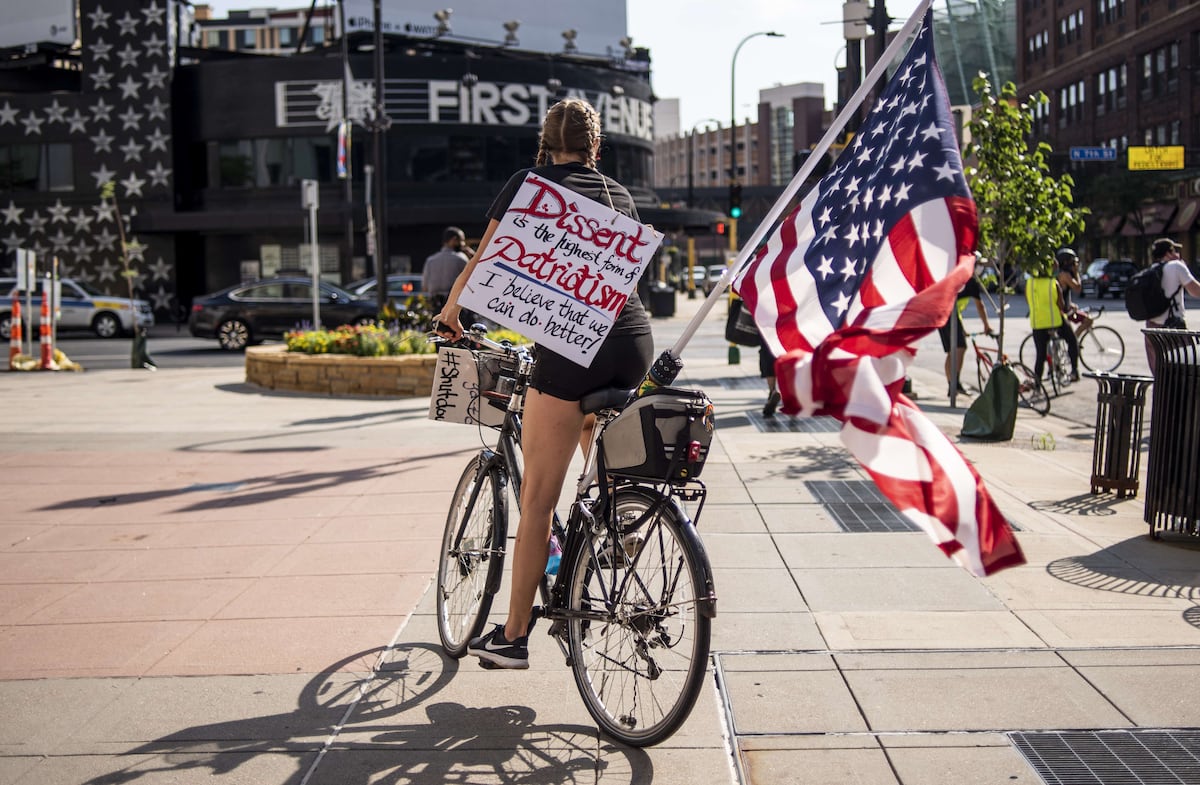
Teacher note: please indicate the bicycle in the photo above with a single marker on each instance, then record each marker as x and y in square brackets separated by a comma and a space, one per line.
[1030, 392]
[632, 601]
[1101, 348]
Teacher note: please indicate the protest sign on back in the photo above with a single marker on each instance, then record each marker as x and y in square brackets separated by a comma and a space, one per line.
[559, 268]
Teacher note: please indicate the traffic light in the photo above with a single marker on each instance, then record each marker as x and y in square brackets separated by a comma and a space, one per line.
[720, 227]
[735, 201]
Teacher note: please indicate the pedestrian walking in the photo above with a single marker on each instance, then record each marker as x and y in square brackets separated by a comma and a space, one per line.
[1176, 280]
[444, 267]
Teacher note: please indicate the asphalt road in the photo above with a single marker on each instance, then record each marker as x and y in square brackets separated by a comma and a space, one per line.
[175, 348]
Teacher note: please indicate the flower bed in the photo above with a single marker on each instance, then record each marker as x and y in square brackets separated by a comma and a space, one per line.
[275, 368]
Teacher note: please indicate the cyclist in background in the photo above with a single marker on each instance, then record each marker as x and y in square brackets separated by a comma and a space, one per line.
[1046, 317]
[1069, 283]
[552, 423]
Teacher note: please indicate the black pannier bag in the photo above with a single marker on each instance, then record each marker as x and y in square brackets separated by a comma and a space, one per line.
[663, 436]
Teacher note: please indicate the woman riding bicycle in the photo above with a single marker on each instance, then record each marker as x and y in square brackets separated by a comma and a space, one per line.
[553, 423]
[1069, 283]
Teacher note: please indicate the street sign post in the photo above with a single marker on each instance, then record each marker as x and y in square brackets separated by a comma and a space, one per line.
[1093, 153]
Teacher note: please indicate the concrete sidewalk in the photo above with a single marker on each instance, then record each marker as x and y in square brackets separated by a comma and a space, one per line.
[201, 581]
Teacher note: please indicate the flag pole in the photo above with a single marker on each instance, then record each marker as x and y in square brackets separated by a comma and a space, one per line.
[835, 129]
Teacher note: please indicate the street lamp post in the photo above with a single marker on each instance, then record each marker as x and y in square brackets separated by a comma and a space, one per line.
[379, 156]
[733, 105]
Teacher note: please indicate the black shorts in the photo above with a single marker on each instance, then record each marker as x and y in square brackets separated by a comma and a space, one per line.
[955, 324]
[622, 361]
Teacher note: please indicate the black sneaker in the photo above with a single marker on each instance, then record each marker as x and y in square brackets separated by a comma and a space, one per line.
[772, 403]
[493, 648]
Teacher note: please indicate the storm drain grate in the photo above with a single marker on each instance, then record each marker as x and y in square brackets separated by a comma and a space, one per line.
[858, 506]
[784, 424]
[1152, 757]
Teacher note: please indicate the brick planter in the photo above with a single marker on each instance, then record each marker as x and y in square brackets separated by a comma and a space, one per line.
[275, 368]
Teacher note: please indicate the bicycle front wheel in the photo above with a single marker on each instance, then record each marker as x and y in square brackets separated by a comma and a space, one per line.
[1101, 349]
[472, 554]
[1030, 391]
[640, 620]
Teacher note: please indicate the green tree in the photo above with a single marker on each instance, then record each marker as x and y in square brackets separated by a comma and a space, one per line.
[1025, 213]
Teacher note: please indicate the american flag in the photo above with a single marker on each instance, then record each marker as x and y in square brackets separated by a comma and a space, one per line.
[868, 264]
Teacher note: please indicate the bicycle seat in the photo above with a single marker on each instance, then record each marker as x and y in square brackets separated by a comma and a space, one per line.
[604, 398]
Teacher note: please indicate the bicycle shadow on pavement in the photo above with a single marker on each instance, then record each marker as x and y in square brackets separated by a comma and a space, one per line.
[1139, 566]
[1084, 505]
[351, 731]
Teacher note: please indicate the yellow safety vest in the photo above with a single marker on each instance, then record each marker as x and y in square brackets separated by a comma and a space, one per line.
[1042, 296]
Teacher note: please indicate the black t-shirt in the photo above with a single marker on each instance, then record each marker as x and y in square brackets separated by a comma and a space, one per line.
[632, 320]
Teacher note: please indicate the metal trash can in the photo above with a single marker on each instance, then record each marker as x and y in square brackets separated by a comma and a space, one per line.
[662, 300]
[1116, 453]
[1172, 490]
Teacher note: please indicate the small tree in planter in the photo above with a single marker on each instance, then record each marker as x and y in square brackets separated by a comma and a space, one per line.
[1025, 213]
[139, 357]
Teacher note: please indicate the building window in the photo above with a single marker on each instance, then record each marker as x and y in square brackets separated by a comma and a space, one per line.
[216, 39]
[36, 167]
[1109, 11]
[316, 35]
[1160, 71]
[246, 38]
[287, 36]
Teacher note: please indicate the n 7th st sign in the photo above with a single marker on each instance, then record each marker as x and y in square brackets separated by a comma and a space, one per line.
[1093, 153]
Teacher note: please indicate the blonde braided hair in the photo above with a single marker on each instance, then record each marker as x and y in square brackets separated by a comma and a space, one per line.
[571, 126]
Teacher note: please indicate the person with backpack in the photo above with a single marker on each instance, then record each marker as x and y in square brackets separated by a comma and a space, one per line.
[1174, 278]
[1047, 317]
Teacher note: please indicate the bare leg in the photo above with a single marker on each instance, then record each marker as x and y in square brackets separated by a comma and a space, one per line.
[551, 430]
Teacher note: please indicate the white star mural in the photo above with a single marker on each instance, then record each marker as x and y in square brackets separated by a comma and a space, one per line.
[130, 88]
[158, 140]
[102, 142]
[105, 240]
[8, 115]
[155, 77]
[132, 150]
[105, 271]
[59, 212]
[161, 299]
[12, 213]
[105, 212]
[100, 50]
[82, 220]
[154, 15]
[33, 124]
[60, 241]
[102, 78]
[159, 175]
[56, 112]
[127, 24]
[99, 17]
[128, 56]
[102, 110]
[156, 110]
[77, 123]
[133, 185]
[130, 119]
[160, 270]
[103, 175]
[35, 222]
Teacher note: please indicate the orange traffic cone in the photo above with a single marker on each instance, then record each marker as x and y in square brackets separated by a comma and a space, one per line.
[47, 347]
[14, 334]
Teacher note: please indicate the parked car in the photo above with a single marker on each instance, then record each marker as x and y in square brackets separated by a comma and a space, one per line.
[82, 307]
[246, 314]
[710, 280]
[1105, 277]
[401, 287]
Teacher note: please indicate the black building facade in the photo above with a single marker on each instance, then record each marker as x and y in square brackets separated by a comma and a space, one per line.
[207, 156]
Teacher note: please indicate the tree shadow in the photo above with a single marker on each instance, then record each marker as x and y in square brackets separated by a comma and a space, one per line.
[350, 731]
[257, 490]
[805, 462]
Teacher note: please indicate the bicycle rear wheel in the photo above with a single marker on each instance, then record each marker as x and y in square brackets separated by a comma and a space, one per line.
[1101, 349]
[1030, 391]
[640, 621]
[1027, 354]
[472, 554]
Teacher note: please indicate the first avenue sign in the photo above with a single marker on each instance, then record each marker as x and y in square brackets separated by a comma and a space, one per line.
[312, 103]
